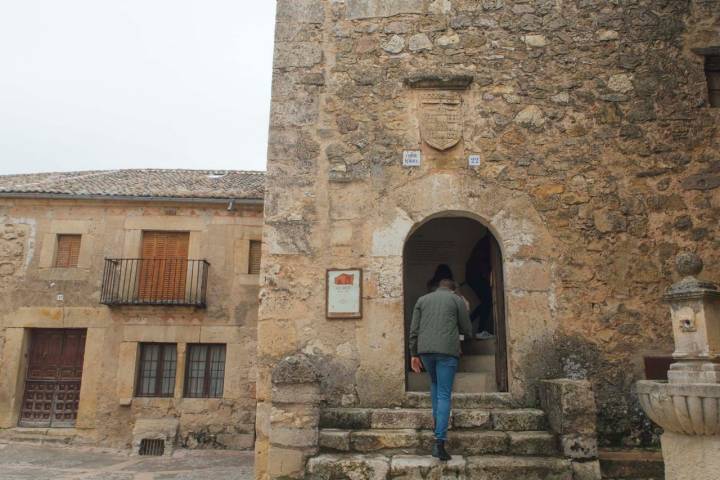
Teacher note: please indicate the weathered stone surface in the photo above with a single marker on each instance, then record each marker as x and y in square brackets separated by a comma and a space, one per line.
[586, 470]
[401, 418]
[334, 440]
[519, 419]
[533, 443]
[467, 442]
[579, 446]
[531, 116]
[518, 467]
[374, 440]
[419, 42]
[336, 467]
[396, 44]
[411, 466]
[358, 9]
[345, 418]
[569, 405]
[295, 369]
[473, 418]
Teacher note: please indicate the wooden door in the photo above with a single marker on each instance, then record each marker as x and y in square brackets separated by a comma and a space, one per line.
[498, 300]
[52, 383]
[163, 268]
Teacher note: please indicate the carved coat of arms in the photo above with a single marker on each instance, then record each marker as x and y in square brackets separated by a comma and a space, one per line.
[441, 119]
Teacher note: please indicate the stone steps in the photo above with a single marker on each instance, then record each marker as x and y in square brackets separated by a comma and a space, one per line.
[491, 467]
[465, 382]
[461, 442]
[485, 400]
[477, 363]
[523, 419]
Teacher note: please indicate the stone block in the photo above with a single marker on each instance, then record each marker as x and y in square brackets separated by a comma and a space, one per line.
[578, 446]
[294, 437]
[334, 440]
[300, 11]
[569, 405]
[691, 457]
[358, 9]
[519, 420]
[471, 418]
[533, 443]
[307, 393]
[285, 462]
[337, 467]
[374, 440]
[401, 418]
[470, 442]
[345, 418]
[416, 467]
[586, 470]
[525, 468]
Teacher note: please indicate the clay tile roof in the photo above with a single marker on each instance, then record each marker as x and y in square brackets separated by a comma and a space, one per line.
[156, 183]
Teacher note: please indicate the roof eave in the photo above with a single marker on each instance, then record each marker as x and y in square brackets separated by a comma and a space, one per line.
[132, 198]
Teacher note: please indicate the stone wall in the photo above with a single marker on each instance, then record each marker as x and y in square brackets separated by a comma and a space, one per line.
[29, 286]
[600, 160]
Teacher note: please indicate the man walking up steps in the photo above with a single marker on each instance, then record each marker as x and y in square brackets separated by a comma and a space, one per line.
[437, 322]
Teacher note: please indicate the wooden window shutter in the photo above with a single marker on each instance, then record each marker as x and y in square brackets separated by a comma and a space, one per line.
[68, 251]
[254, 257]
[164, 264]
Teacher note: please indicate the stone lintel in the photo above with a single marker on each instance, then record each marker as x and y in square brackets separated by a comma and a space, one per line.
[439, 81]
[705, 51]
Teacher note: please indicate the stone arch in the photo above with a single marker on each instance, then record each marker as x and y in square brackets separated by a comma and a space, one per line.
[528, 254]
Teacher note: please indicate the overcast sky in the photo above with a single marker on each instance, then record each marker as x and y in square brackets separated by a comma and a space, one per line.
[104, 84]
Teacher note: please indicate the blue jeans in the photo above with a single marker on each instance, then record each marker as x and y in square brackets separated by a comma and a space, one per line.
[441, 369]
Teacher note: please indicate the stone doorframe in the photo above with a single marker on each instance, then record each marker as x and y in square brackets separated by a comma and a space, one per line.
[527, 251]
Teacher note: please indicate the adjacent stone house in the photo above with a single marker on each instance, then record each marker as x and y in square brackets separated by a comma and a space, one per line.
[129, 306]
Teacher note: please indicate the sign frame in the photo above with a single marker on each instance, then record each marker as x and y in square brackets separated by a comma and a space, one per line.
[329, 314]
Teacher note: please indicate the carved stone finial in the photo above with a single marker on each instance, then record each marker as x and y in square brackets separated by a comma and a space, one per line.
[688, 264]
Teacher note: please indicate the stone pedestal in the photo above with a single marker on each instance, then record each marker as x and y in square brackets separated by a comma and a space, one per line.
[691, 457]
[688, 406]
[294, 418]
[571, 411]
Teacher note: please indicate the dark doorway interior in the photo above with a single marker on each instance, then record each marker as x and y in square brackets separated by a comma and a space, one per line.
[52, 383]
[467, 250]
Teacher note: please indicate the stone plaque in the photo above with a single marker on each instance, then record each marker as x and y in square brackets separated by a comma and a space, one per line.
[474, 161]
[441, 119]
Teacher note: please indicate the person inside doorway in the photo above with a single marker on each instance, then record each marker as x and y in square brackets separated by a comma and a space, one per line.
[442, 272]
[438, 320]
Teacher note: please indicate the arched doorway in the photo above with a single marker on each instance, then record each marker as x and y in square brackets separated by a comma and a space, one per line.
[467, 250]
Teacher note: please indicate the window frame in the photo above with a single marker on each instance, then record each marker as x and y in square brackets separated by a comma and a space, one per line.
[251, 245]
[56, 257]
[207, 379]
[159, 372]
[712, 77]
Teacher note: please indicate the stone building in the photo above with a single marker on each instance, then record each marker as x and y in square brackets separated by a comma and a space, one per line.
[555, 154]
[129, 306]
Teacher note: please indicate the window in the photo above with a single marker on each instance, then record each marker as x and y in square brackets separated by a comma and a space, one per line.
[254, 257]
[712, 72]
[156, 372]
[68, 251]
[205, 372]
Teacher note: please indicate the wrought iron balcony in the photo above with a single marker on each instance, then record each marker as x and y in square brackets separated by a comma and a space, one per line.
[155, 281]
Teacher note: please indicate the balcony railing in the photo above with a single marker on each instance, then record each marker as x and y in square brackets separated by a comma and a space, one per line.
[155, 281]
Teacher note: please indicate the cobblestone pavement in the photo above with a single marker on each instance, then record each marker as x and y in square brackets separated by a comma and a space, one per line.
[39, 462]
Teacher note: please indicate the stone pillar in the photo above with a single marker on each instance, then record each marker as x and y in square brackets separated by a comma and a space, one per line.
[687, 407]
[572, 415]
[294, 418]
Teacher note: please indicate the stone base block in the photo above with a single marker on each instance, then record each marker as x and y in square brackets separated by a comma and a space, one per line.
[586, 470]
[165, 429]
[688, 457]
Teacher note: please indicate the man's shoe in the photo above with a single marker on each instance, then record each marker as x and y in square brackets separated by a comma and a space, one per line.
[439, 451]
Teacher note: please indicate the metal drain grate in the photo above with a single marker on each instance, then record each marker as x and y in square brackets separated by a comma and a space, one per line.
[152, 447]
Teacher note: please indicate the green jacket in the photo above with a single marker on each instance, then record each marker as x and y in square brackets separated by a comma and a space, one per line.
[437, 322]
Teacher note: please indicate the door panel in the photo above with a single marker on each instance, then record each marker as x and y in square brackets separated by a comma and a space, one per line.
[498, 292]
[52, 384]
